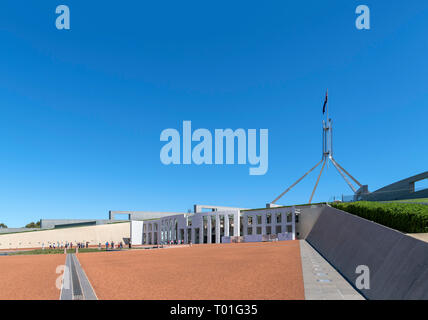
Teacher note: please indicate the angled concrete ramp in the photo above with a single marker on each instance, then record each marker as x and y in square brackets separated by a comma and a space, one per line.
[398, 263]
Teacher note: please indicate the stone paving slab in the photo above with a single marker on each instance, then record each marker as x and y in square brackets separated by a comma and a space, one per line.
[321, 280]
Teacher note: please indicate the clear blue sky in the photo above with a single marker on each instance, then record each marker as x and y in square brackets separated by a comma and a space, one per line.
[82, 110]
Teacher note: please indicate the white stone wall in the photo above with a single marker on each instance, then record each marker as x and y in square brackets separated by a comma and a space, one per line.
[137, 232]
[116, 232]
[200, 226]
[177, 228]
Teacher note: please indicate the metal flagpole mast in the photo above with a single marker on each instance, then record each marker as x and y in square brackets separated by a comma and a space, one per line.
[327, 155]
[318, 180]
[289, 188]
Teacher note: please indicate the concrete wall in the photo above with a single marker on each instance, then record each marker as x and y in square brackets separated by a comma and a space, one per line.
[398, 263]
[403, 189]
[253, 238]
[51, 223]
[307, 217]
[11, 230]
[93, 234]
[200, 207]
[141, 215]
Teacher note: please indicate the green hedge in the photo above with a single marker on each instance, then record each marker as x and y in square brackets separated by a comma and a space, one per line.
[404, 217]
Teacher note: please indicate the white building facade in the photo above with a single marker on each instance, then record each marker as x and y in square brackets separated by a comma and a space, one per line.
[219, 227]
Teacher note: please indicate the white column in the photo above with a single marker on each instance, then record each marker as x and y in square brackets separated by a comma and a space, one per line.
[201, 232]
[284, 222]
[226, 225]
[209, 229]
[217, 228]
[263, 223]
[293, 222]
[237, 223]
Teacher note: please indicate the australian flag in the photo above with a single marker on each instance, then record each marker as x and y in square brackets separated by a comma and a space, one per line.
[325, 102]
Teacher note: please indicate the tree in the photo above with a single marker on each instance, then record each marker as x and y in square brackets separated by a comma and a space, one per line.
[33, 225]
[2, 225]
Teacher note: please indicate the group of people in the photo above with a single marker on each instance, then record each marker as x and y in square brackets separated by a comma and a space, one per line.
[81, 245]
[111, 245]
[66, 245]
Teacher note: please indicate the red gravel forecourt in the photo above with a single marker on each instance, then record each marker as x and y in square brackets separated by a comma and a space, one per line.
[30, 277]
[210, 272]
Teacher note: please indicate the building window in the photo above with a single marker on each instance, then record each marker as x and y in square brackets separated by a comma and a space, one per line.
[150, 227]
[268, 230]
[250, 231]
[268, 218]
[259, 230]
[250, 220]
[156, 227]
[278, 217]
[259, 219]
[289, 229]
[278, 229]
[288, 216]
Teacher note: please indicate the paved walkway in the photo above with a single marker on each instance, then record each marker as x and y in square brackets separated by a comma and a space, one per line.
[75, 284]
[321, 280]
